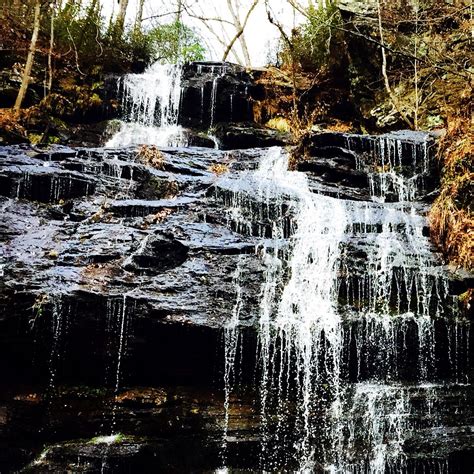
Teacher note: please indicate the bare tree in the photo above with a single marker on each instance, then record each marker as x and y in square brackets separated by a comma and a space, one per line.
[227, 29]
[240, 27]
[220, 35]
[212, 23]
[25, 79]
[235, 12]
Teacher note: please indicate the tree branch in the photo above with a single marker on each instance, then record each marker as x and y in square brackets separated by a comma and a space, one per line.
[159, 16]
[240, 31]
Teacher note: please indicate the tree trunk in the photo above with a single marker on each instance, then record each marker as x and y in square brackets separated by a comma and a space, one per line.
[179, 14]
[416, 79]
[31, 56]
[51, 47]
[138, 19]
[390, 93]
[120, 21]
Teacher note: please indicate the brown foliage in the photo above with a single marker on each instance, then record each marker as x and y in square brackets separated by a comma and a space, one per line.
[219, 168]
[451, 216]
[152, 156]
[10, 123]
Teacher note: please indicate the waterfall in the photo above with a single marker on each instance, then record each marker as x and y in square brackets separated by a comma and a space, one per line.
[213, 99]
[151, 103]
[340, 346]
[297, 333]
[120, 311]
[385, 159]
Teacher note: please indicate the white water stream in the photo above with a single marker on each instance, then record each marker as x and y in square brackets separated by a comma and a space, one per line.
[304, 328]
[151, 103]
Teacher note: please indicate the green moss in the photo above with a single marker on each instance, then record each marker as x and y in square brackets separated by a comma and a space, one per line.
[34, 138]
[112, 439]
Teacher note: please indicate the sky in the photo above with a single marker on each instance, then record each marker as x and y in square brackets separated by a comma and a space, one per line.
[261, 36]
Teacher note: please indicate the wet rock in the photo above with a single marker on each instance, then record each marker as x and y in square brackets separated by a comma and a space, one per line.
[346, 165]
[132, 285]
[200, 139]
[155, 187]
[215, 92]
[142, 396]
[157, 254]
[44, 184]
[248, 135]
[77, 436]
[131, 454]
[54, 153]
[143, 207]
[403, 145]
[87, 134]
[339, 170]
[121, 454]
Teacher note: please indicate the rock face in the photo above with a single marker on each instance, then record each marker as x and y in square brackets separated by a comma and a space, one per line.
[95, 243]
[118, 281]
[203, 104]
[214, 93]
[220, 96]
[347, 163]
[248, 135]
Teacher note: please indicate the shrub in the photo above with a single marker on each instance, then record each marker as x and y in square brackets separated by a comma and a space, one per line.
[312, 42]
[175, 43]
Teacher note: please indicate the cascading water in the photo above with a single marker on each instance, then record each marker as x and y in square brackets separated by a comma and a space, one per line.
[59, 313]
[298, 333]
[385, 159]
[341, 344]
[221, 71]
[151, 104]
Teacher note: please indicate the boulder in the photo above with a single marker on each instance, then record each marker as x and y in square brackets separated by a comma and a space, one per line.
[248, 135]
[157, 254]
[215, 92]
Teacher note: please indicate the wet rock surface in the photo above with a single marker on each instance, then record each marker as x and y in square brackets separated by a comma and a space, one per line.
[117, 279]
[214, 93]
[166, 422]
[346, 162]
[95, 242]
[248, 135]
[92, 218]
[220, 96]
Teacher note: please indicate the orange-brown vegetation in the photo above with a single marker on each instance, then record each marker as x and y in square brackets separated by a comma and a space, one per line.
[152, 156]
[452, 214]
[219, 168]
